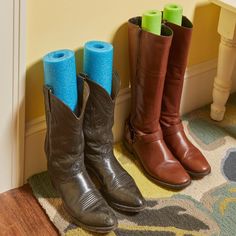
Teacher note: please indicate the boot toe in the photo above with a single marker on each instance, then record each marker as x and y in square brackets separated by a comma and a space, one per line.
[197, 165]
[173, 175]
[127, 198]
[99, 219]
[96, 217]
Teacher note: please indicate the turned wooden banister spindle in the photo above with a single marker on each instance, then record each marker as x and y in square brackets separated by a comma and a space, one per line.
[226, 57]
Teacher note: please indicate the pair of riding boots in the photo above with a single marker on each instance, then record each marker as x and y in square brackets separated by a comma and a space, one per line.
[154, 132]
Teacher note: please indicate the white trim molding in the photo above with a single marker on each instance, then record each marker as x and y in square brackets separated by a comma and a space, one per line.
[197, 92]
[198, 85]
[196, 70]
[19, 74]
[13, 69]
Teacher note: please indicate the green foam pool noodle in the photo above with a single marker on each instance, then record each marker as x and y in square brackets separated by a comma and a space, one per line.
[151, 21]
[173, 13]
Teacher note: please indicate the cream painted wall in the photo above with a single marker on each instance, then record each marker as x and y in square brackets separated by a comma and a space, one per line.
[205, 39]
[58, 24]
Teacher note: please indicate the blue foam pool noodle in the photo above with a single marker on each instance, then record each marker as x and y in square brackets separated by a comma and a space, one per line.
[60, 76]
[98, 63]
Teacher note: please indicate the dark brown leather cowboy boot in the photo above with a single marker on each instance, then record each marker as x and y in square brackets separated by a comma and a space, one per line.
[64, 147]
[117, 185]
[189, 156]
[143, 135]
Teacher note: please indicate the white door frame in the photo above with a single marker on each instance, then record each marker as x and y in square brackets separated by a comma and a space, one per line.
[15, 170]
[19, 77]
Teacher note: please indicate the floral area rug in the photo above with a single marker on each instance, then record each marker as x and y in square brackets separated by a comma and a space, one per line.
[206, 207]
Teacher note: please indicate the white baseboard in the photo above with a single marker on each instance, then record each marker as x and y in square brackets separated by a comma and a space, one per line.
[198, 86]
[197, 92]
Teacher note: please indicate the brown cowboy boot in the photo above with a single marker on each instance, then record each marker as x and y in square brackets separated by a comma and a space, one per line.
[117, 186]
[143, 135]
[189, 156]
[64, 147]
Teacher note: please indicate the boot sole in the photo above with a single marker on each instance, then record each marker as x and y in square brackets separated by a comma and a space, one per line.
[197, 175]
[126, 208]
[95, 229]
[159, 182]
[115, 205]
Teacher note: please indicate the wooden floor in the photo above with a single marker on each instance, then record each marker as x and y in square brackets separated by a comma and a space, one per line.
[21, 215]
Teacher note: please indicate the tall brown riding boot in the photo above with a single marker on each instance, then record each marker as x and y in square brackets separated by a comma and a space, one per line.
[143, 135]
[117, 186]
[64, 147]
[189, 156]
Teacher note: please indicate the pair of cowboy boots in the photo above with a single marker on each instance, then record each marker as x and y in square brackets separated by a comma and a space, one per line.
[75, 143]
[154, 132]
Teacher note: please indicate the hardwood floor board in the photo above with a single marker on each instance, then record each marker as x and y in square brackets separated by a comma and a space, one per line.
[21, 215]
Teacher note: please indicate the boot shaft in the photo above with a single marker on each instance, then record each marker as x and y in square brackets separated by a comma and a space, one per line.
[64, 141]
[134, 32]
[148, 62]
[177, 63]
[99, 117]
